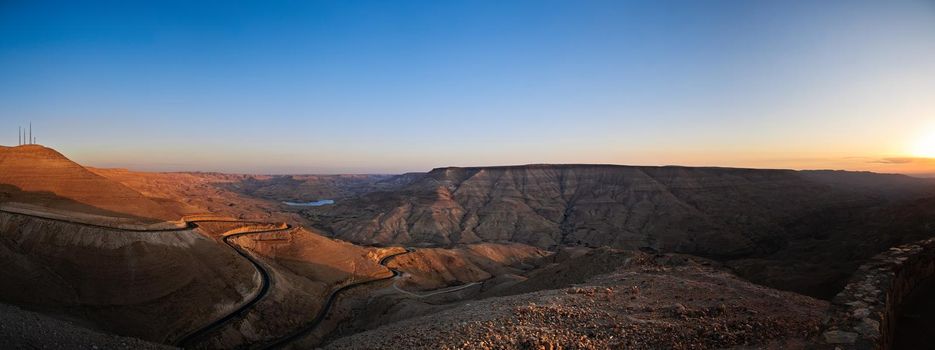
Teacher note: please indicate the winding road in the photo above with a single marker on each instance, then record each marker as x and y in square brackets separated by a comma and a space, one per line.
[329, 302]
[436, 292]
[193, 336]
[188, 225]
[326, 308]
[189, 338]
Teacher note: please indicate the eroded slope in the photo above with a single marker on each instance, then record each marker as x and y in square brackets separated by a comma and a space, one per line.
[704, 211]
[802, 231]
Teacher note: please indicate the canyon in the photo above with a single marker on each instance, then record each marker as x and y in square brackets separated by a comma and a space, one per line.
[804, 231]
[535, 256]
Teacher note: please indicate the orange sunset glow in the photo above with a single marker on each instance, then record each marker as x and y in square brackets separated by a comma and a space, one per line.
[467, 174]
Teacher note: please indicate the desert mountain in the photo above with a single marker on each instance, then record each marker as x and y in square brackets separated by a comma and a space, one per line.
[479, 239]
[118, 281]
[716, 212]
[811, 228]
[41, 176]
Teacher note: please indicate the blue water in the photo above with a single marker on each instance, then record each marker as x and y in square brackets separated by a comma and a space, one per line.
[317, 203]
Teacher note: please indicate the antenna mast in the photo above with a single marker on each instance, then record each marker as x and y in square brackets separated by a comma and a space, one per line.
[30, 133]
[19, 135]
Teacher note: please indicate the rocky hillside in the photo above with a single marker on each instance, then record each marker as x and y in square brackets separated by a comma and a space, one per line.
[200, 193]
[21, 329]
[121, 282]
[305, 268]
[675, 303]
[804, 231]
[308, 187]
[38, 175]
[716, 212]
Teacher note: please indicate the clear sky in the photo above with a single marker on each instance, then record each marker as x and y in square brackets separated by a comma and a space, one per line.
[394, 86]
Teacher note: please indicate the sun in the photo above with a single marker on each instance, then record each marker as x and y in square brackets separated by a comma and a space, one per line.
[924, 146]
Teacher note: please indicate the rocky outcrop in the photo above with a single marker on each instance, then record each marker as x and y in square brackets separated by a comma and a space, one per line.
[863, 315]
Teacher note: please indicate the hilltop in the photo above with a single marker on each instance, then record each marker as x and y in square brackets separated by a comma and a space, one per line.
[38, 175]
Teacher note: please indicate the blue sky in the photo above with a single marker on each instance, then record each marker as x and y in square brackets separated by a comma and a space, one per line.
[393, 86]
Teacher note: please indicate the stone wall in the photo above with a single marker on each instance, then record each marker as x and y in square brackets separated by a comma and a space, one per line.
[864, 314]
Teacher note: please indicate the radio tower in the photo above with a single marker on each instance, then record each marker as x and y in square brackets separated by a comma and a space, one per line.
[19, 135]
[30, 133]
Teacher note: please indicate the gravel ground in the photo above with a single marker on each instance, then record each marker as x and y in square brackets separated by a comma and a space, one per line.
[20, 329]
[643, 307]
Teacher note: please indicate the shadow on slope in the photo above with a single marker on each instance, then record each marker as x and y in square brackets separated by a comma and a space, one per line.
[46, 199]
[120, 281]
[34, 168]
